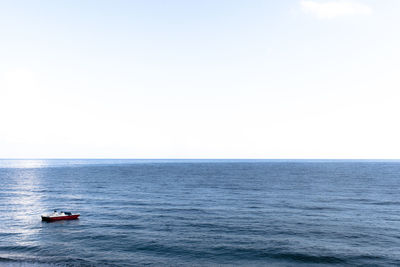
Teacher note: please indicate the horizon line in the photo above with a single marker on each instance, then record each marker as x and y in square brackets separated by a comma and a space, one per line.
[393, 159]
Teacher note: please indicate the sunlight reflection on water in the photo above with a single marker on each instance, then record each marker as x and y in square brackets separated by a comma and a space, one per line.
[23, 163]
[27, 202]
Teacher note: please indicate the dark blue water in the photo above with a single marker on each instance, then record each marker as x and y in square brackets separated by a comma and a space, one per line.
[200, 213]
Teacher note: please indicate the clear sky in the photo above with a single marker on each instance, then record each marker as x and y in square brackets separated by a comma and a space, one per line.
[200, 79]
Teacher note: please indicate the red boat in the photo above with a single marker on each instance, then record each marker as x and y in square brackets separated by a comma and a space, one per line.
[58, 216]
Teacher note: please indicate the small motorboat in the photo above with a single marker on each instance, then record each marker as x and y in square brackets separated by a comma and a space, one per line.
[62, 215]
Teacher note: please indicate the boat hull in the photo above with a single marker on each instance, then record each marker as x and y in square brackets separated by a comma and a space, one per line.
[59, 218]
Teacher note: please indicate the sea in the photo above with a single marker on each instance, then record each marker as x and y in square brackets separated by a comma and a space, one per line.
[201, 212]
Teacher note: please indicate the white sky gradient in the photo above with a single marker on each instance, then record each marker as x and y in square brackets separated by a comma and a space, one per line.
[333, 9]
[200, 79]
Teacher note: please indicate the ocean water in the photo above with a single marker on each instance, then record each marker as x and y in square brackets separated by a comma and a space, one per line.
[201, 213]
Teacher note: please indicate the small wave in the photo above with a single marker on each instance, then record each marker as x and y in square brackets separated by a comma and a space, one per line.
[384, 203]
[226, 253]
[254, 254]
[308, 258]
[18, 263]
[5, 259]
[20, 248]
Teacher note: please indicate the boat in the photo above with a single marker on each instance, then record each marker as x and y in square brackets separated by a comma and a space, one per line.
[58, 216]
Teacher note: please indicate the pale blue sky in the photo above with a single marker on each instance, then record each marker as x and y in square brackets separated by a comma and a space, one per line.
[200, 79]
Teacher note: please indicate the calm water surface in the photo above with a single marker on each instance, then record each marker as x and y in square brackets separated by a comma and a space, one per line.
[200, 213]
